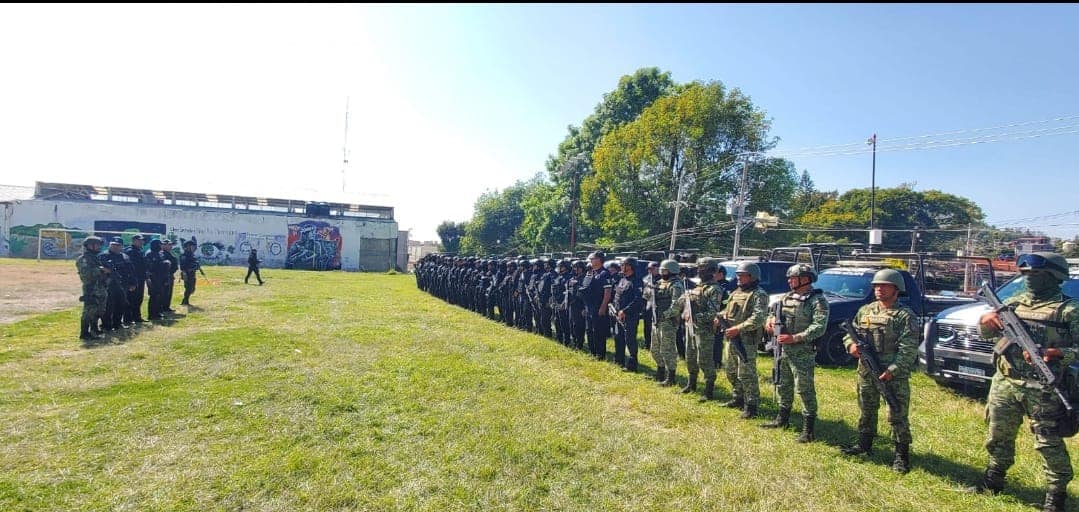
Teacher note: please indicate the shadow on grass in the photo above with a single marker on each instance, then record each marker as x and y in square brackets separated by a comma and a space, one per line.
[191, 307]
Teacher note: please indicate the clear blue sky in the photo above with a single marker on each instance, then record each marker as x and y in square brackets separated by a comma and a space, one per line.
[453, 100]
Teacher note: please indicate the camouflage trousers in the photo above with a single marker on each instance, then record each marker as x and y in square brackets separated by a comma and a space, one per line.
[94, 302]
[1008, 402]
[699, 354]
[869, 400]
[796, 367]
[663, 344]
[742, 375]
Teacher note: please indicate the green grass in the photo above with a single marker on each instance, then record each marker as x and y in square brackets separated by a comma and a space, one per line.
[342, 391]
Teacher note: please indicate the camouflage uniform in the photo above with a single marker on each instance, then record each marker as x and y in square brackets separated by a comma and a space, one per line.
[806, 317]
[895, 337]
[667, 292]
[1015, 391]
[747, 309]
[95, 292]
[706, 300]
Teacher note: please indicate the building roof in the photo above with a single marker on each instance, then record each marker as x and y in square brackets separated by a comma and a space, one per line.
[72, 192]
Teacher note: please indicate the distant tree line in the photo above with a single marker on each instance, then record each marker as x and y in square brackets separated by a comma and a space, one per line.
[652, 144]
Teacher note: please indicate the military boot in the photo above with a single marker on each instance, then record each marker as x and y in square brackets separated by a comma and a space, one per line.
[782, 419]
[992, 482]
[809, 424]
[709, 390]
[670, 377]
[96, 330]
[901, 463]
[84, 331]
[864, 446]
[750, 411]
[1054, 501]
[737, 403]
[691, 386]
[661, 372]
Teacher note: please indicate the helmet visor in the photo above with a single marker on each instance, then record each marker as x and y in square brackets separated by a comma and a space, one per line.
[1037, 261]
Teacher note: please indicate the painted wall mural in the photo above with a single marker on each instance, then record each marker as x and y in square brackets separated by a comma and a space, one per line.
[129, 227]
[313, 245]
[23, 241]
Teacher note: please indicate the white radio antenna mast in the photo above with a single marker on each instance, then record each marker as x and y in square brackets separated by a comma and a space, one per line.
[344, 148]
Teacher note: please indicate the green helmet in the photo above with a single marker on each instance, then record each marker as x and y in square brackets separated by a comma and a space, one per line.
[707, 265]
[750, 268]
[890, 276]
[801, 269]
[671, 266]
[91, 239]
[1051, 262]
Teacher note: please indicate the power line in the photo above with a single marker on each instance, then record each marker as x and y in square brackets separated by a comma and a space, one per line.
[836, 148]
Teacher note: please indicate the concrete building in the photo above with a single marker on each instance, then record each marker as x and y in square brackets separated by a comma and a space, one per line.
[418, 249]
[288, 233]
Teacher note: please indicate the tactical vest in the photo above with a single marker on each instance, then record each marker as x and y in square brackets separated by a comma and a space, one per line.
[664, 292]
[737, 306]
[1043, 321]
[798, 311]
[880, 322]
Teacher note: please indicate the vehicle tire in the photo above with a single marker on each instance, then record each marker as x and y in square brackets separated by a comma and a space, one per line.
[832, 350]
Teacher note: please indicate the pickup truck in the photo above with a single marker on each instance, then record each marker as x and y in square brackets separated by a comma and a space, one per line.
[953, 351]
[847, 287]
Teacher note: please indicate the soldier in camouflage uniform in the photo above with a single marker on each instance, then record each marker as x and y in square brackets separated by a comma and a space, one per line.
[666, 292]
[1053, 322]
[895, 336]
[745, 314]
[804, 320]
[705, 302]
[94, 289]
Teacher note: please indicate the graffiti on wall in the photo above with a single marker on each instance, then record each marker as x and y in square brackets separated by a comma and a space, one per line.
[23, 241]
[129, 228]
[313, 245]
[269, 246]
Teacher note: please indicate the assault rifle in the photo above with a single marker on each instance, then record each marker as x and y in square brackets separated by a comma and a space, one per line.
[688, 311]
[651, 289]
[872, 361]
[778, 328]
[613, 312]
[1017, 334]
[736, 341]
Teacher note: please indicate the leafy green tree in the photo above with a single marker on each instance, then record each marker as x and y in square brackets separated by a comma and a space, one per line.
[496, 217]
[690, 139]
[573, 161]
[450, 233]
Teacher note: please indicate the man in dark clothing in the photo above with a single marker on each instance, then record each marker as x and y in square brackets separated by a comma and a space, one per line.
[119, 283]
[188, 265]
[596, 293]
[157, 268]
[628, 305]
[253, 266]
[174, 266]
[576, 305]
[136, 292]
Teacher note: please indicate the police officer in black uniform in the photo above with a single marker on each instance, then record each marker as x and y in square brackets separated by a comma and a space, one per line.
[596, 293]
[139, 273]
[628, 305]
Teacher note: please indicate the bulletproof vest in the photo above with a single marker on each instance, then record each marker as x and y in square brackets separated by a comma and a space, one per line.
[798, 310]
[664, 292]
[738, 305]
[623, 292]
[880, 323]
[1043, 321]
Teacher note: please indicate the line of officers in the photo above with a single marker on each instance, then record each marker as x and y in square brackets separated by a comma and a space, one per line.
[115, 282]
[571, 301]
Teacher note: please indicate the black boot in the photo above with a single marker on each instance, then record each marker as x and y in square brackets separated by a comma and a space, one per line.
[864, 446]
[901, 463]
[782, 419]
[709, 390]
[992, 482]
[661, 373]
[750, 411]
[691, 386]
[1054, 501]
[670, 377]
[737, 403]
[809, 424]
[84, 330]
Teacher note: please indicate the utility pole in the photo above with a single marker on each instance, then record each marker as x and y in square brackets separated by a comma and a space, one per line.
[344, 148]
[677, 209]
[740, 209]
[872, 194]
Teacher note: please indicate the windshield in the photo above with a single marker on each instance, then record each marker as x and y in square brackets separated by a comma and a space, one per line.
[1070, 287]
[855, 286]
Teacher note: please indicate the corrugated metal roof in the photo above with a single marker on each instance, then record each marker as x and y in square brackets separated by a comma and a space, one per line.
[9, 193]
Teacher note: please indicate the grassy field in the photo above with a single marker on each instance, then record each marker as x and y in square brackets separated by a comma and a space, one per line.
[344, 391]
